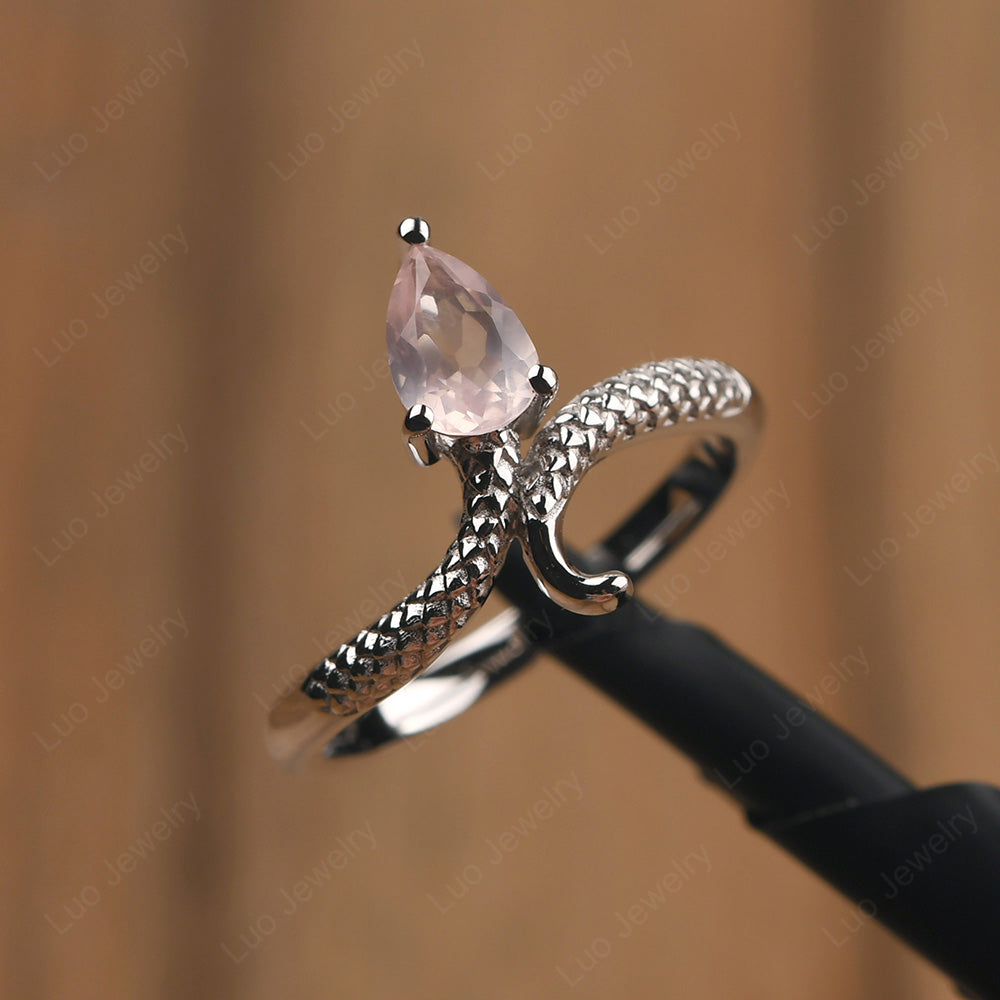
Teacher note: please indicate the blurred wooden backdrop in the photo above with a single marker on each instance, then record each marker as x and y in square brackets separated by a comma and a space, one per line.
[202, 476]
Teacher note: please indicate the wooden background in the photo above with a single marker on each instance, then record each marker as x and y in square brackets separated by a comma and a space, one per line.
[197, 255]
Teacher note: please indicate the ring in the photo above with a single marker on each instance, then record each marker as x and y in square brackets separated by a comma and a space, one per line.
[468, 373]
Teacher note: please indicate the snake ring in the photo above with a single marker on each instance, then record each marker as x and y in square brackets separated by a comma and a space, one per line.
[469, 376]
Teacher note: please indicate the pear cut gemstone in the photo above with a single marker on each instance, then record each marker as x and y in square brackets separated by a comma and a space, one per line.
[456, 346]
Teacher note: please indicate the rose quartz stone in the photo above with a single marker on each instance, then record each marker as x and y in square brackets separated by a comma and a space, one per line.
[456, 346]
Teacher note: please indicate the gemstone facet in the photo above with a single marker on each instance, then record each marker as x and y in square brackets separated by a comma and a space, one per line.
[456, 346]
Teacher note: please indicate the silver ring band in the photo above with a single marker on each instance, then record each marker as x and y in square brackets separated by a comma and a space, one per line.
[380, 686]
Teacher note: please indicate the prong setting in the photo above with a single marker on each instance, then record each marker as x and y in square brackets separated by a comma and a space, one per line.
[418, 419]
[543, 380]
[545, 384]
[418, 437]
[414, 230]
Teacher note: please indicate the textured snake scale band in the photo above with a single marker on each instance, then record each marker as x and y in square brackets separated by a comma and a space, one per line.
[500, 492]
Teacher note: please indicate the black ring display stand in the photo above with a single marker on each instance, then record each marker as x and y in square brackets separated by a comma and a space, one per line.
[924, 862]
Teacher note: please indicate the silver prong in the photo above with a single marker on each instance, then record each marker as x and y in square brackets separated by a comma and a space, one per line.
[545, 383]
[415, 230]
[543, 380]
[416, 434]
[419, 418]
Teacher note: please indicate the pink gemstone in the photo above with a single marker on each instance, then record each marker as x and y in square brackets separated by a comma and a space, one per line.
[456, 346]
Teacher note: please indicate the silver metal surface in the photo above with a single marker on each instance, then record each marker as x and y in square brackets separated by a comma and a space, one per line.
[419, 418]
[659, 397]
[404, 641]
[543, 379]
[416, 425]
[380, 686]
[415, 230]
